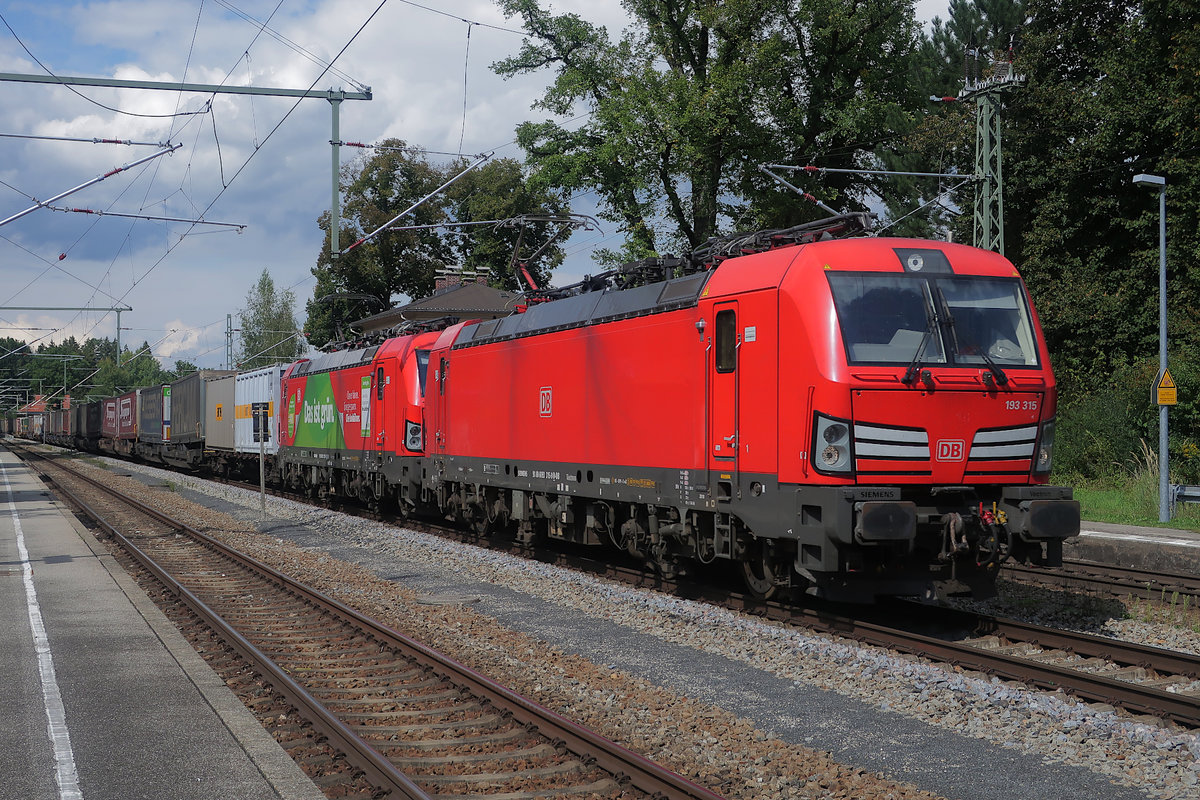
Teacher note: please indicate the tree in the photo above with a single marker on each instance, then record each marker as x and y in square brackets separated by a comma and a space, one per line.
[960, 49]
[378, 187]
[693, 97]
[183, 368]
[269, 334]
[1112, 92]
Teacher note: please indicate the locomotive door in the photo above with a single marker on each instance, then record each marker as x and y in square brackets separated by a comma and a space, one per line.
[374, 420]
[723, 402]
[441, 375]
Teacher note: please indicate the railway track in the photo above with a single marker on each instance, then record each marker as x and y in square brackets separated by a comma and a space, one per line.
[1111, 579]
[410, 721]
[1139, 679]
[1142, 680]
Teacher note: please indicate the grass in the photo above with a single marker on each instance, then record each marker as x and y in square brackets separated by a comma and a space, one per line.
[1130, 497]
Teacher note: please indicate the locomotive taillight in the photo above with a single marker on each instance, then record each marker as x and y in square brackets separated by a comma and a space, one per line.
[1044, 456]
[831, 445]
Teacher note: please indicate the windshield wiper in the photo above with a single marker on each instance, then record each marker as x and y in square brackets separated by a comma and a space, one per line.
[998, 375]
[931, 324]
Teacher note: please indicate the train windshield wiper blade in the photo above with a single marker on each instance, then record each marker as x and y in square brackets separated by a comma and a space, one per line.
[914, 366]
[997, 374]
[931, 324]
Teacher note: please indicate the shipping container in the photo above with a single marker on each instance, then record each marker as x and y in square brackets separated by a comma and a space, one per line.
[58, 430]
[219, 413]
[187, 406]
[118, 426]
[86, 424]
[151, 422]
[257, 406]
[183, 429]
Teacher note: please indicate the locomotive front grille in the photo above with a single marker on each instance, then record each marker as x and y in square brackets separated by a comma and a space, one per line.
[1002, 451]
[889, 450]
[882, 450]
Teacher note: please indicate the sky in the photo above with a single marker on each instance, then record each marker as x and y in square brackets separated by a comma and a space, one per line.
[261, 165]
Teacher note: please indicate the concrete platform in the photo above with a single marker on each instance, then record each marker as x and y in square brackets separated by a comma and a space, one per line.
[1139, 546]
[103, 698]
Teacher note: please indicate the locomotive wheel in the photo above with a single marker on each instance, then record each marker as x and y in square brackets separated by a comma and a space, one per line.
[758, 573]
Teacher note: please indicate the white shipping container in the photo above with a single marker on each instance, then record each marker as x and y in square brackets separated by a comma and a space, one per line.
[258, 388]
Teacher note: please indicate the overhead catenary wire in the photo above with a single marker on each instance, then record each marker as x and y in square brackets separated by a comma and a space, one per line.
[93, 140]
[93, 181]
[239, 225]
[94, 102]
[128, 257]
[264, 27]
[138, 279]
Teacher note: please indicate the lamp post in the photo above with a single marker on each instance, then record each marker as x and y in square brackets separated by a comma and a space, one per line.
[1160, 183]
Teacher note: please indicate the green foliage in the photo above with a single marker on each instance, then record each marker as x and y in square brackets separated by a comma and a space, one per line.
[268, 331]
[378, 187]
[84, 371]
[1106, 434]
[692, 98]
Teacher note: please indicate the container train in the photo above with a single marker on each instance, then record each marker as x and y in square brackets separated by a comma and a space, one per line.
[845, 417]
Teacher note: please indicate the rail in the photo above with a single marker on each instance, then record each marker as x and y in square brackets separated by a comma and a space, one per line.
[628, 768]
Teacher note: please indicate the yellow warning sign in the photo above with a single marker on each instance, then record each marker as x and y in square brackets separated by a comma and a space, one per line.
[1166, 390]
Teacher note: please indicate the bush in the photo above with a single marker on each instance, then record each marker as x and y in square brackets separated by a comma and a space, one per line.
[1104, 431]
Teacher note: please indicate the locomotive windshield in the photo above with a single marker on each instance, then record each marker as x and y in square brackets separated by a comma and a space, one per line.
[889, 318]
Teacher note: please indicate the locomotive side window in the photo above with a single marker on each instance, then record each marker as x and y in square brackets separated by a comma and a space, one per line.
[422, 368]
[379, 384]
[726, 341]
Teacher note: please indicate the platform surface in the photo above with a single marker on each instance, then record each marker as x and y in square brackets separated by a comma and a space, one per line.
[1145, 547]
[103, 698]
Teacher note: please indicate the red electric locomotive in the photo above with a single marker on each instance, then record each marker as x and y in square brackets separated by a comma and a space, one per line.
[350, 422]
[849, 418]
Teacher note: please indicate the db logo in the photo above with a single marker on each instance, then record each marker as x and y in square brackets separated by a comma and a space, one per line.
[950, 449]
[546, 403]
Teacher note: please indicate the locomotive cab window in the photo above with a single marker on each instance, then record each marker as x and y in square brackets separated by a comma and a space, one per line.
[422, 368]
[726, 341]
[958, 320]
[379, 383]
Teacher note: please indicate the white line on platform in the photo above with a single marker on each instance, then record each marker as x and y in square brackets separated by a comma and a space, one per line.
[1133, 537]
[56, 715]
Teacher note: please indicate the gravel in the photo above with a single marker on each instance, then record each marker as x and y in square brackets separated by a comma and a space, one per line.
[749, 708]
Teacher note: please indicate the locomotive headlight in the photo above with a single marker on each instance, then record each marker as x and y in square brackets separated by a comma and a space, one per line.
[831, 440]
[414, 436]
[1044, 455]
[835, 432]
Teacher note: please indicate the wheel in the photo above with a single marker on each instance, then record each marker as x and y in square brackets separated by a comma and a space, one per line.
[758, 573]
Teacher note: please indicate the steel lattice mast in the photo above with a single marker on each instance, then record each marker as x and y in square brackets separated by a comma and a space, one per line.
[989, 173]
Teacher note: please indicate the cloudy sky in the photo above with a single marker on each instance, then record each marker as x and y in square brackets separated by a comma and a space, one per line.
[259, 162]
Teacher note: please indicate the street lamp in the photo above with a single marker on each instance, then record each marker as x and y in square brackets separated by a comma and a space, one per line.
[1160, 183]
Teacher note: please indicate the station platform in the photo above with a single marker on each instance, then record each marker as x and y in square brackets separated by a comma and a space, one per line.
[1145, 547]
[103, 698]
